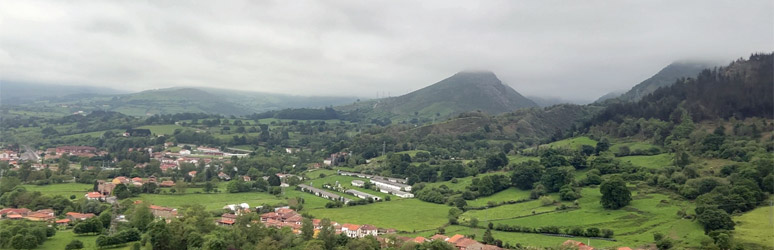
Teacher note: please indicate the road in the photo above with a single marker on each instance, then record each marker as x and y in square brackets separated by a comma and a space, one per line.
[29, 154]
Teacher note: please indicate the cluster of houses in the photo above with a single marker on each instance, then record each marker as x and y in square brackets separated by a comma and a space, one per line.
[286, 217]
[83, 151]
[459, 241]
[574, 244]
[209, 151]
[387, 185]
[45, 215]
[10, 156]
[105, 188]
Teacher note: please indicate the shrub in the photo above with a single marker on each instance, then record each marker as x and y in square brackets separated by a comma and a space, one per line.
[546, 200]
[74, 244]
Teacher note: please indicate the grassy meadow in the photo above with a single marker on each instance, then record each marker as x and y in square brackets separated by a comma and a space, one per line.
[405, 214]
[756, 228]
[63, 189]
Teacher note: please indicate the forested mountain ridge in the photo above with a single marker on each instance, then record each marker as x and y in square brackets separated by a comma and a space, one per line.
[526, 127]
[665, 77]
[744, 88]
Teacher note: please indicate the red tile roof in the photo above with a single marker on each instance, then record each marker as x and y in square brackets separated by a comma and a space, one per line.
[94, 195]
[439, 237]
[419, 239]
[455, 238]
[350, 227]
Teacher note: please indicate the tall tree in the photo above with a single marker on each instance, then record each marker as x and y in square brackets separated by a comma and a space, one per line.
[307, 229]
[141, 217]
[615, 194]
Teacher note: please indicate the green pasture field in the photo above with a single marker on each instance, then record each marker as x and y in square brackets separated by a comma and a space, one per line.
[462, 183]
[63, 189]
[572, 143]
[649, 161]
[211, 201]
[633, 225]
[516, 159]
[510, 194]
[62, 238]
[168, 129]
[403, 214]
[632, 146]
[756, 228]
[505, 212]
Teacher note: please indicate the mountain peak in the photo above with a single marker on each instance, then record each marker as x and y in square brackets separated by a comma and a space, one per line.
[476, 72]
[462, 92]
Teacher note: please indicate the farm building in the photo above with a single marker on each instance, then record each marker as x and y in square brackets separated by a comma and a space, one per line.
[323, 193]
[390, 185]
[362, 195]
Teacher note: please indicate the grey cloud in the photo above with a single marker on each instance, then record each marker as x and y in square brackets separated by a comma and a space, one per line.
[568, 49]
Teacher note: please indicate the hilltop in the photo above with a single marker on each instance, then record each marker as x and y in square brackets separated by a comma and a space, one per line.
[463, 92]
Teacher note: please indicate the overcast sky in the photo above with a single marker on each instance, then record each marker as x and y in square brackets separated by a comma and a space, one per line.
[568, 49]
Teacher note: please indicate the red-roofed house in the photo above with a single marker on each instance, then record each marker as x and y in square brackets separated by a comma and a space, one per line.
[62, 222]
[440, 237]
[468, 244]
[227, 219]
[14, 211]
[578, 244]
[350, 230]
[95, 196]
[41, 215]
[163, 212]
[455, 238]
[73, 216]
[419, 239]
[167, 184]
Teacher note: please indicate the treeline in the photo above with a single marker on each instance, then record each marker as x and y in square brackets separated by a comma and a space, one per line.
[574, 231]
[24, 235]
[327, 113]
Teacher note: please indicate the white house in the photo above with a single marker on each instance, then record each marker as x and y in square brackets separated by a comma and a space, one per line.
[358, 183]
[366, 230]
[185, 152]
[350, 230]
